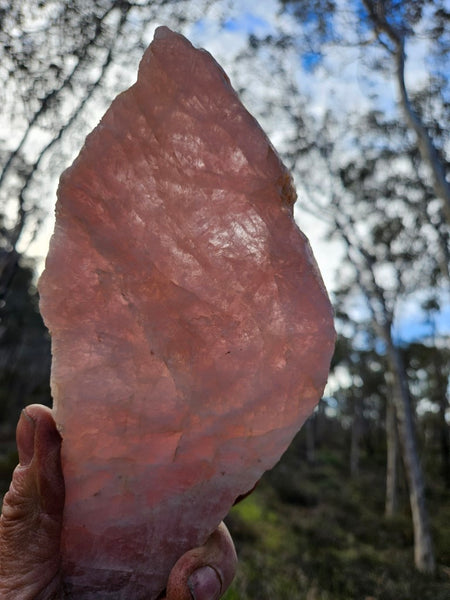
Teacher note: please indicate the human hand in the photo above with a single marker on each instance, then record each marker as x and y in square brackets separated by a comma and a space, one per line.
[31, 521]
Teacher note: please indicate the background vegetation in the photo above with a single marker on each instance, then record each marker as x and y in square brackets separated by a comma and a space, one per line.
[313, 531]
[355, 95]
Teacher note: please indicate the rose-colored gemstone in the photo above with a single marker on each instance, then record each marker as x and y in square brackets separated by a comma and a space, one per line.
[191, 331]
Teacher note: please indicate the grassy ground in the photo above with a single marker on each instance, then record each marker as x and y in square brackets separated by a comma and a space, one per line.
[310, 532]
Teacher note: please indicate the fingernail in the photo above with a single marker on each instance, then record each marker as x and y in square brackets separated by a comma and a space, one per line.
[205, 584]
[25, 438]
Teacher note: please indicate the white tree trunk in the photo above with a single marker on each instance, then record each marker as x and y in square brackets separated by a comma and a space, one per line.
[392, 462]
[423, 547]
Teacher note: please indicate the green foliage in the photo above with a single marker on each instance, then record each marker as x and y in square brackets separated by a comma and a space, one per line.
[340, 546]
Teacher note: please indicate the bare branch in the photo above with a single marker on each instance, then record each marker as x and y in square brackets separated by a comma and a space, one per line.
[18, 229]
[51, 95]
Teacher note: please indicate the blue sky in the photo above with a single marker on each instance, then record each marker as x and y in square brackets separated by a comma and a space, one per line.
[413, 324]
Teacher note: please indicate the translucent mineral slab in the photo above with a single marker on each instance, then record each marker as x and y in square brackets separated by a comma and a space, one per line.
[191, 331]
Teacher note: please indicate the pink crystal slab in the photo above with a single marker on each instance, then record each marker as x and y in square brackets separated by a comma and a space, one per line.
[191, 331]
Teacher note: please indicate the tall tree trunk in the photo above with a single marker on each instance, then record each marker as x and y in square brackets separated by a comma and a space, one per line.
[392, 461]
[423, 547]
[355, 449]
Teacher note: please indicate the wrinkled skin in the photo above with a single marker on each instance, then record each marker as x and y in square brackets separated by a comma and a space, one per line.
[30, 527]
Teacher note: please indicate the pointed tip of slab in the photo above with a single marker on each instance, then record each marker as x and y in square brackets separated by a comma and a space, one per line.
[163, 32]
[164, 35]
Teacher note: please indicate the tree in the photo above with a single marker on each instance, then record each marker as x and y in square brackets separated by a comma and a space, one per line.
[385, 222]
[379, 252]
[387, 28]
[393, 22]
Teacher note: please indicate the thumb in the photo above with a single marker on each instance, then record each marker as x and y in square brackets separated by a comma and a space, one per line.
[204, 573]
[30, 524]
